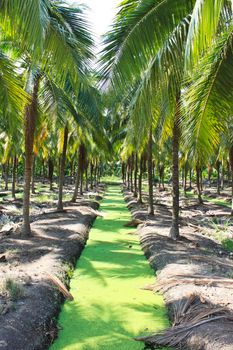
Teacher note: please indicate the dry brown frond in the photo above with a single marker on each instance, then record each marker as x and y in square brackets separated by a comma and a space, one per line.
[134, 223]
[62, 288]
[189, 313]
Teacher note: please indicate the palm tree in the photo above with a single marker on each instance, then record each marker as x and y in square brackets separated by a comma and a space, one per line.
[46, 30]
[208, 97]
[150, 174]
[31, 116]
[159, 67]
[62, 168]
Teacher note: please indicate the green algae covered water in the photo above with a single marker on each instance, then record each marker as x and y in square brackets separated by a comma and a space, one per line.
[110, 308]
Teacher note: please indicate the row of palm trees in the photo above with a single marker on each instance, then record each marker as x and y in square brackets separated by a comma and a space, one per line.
[168, 67]
[48, 94]
[164, 91]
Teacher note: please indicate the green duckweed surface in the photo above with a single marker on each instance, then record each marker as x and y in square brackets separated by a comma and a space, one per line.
[110, 308]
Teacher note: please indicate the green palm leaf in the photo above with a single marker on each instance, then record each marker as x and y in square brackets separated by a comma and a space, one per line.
[139, 31]
[55, 35]
[208, 99]
[12, 95]
[203, 27]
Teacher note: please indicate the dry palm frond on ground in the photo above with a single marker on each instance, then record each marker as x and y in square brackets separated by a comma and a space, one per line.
[134, 223]
[188, 313]
[199, 280]
[62, 288]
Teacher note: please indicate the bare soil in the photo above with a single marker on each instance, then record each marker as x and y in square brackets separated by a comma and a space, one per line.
[196, 264]
[29, 322]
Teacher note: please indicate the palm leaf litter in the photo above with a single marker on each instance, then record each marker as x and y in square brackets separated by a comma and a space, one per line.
[188, 314]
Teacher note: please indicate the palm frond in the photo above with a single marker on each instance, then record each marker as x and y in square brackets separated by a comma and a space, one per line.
[12, 95]
[68, 44]
[26, 20]
[203, 27]
[208, 99]
[55, 35]
[138, 33]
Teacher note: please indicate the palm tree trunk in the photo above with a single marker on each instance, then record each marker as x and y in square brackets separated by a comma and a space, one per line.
[91, 174]
[81, 183]
[95, 174]
[174, 231]
[100, 172]
[150, 175]
[131, 172]
[14, 177]
[71, 171]
[185, 178]
[123, 172]
[190, 178]
[182, 176]
[50, 173]
[201, 179]
[77, 181]
[128, 175]
[33, 174]
[218, 176]
[222, 176]
[209, 174]
[153, 173]
[162, 177]
[44, 173]
[62, 170]
[3, 172]
[17, 172]
[6, 169]
[198, 185]
[140, 181]
[136, 176]
[231, 168]
[80, 170]
[30, 118]
[86, 177]
[228, 173]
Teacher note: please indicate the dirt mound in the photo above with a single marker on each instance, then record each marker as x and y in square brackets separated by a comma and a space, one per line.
[194, 274]
[27, 322]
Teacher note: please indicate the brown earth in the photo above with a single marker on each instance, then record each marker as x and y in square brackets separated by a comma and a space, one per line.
[29, 323]
[195, 265]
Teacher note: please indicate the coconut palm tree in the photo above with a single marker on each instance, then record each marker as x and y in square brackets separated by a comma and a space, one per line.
[207, 99]
[205, 88]
[45, 30]
[159, 67]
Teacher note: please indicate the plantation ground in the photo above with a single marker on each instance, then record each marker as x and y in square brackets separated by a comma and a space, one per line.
[112, 269]
[31, 304]
[198, 264]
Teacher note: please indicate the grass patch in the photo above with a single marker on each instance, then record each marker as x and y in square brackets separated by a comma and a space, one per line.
[228, 244]
[189, 194]
[12, 289]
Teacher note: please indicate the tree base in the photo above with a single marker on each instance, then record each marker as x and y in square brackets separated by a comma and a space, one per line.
[174, 233]
[26, 232]
[151, 212]
[60, 210]
[200, 200]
